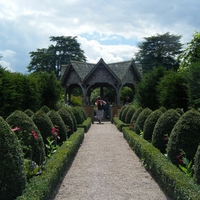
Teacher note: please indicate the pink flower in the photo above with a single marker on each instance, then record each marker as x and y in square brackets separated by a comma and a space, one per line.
[179, 158]
[15, 129]
[34, 134]
[55, 131]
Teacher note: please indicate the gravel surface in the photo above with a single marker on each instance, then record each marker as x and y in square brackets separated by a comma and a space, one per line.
[105, 168]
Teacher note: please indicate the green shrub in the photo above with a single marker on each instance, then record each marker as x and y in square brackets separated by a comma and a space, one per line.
[150, 124]
[78, 115]
[26, 135]
[58, 122]
[12, 176]
[44, 124]
[67, 119]
[83, 112]
[121, 111]
[138, 125]
[180, 111]
[69, 110]
[135, 115]
[162, 109]
[185, 136]
[123, 115]
[45, 109]
[29, 112]
[129, 114]
[163, 128]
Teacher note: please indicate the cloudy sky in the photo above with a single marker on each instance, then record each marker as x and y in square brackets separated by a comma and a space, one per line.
[108, 29]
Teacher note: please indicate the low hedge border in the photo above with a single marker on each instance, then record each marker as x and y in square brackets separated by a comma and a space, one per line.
[41, 187]
[119, 124]
[174, 182]
[86, 124]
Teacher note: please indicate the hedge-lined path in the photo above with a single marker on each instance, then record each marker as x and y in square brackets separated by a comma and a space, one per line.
[106, 168]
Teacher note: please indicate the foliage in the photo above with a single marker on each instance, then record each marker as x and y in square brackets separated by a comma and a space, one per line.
[67, 119]
[126, 91]
[58, 122]
[121, 112]
[42, 187]
[12, 176]
[29, 136]
[50, 59]
[191, 54]
[172, 91]
[193, 84]
[69, 110]
[29, 112]
[124, 112]
[78, 115]
[159, 50]
[139, 124]
[76, 100]
[163, 128]
[146, 93]
[174, 182]
[44, 124]
[185, 136]
[150, 124]
[136, 114]
[45, 109]
[129, 114]
[197, 165]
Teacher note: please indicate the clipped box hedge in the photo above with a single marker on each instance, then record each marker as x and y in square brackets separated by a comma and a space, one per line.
[174, 182]
[86, 124]
[41, 187]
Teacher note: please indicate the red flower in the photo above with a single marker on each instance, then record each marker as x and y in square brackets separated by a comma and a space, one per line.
[34, 134]
[55, 131]
[179, 159]
[15, 129]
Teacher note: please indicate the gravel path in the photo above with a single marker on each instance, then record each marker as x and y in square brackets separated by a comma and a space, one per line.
[105, 168]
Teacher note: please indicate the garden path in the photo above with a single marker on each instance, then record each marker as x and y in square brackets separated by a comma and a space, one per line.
[106, 168]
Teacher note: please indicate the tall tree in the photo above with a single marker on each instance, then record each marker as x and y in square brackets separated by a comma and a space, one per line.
[159, 50]
[50, 59]
[191, 54]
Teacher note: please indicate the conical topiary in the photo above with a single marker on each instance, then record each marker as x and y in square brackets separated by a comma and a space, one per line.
[58, 122]
[129, 114]
[29, 135]
[29, 112]
[44, 124]
[69, 110]
[83, 112]
[150, 124]
[67, 119]
[12, 176]
[78, 115]
[136, 114]
[185, 136]
[123, 115]
[121, 111]
[138, 125]
[45, 109]
[163, 128]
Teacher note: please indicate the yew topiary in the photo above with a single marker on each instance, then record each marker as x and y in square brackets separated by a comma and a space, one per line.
[69, 110]
[83, 112]
[135, 115]
[28, 135]
[44, 124]
[197, 165]
[185, 136]
[29, 112]
[138, 125]
[67, 119]
[162, 109]
[58, 122]
[12, 176]
[180, 111]
[78, 115]
[129, 114]
[124, 112]
[150, 124]
[45, 109]
[163, 128]
[121, 111]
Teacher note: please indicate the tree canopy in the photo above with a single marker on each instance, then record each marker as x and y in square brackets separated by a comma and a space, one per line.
[159, 50]
[50, 59]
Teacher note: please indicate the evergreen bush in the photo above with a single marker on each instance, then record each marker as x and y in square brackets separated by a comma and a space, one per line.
[163, 128]
[138, 125]
[12, 176]
[67, 119]
[29, 136]
[83, 112]
[123, 115]
[136, 114]
[44, 124]
[121, 111]
[185, 136]
[78, 115]
[69, 110]
[45, 109]
[58, 122]
[150, 124]
[180, 111]
[162, 109]
[129, 114]
[29, 112]
[197, 165]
